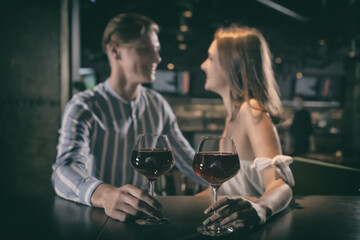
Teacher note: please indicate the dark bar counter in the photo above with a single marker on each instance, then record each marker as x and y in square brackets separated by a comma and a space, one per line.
[308, 217]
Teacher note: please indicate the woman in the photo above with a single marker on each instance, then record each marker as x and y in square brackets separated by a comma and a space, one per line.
[238, 68]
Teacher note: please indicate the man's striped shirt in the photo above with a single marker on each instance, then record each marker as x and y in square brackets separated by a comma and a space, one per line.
[97, 134]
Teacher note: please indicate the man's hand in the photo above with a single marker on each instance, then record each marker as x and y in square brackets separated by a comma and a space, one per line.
[126, 202]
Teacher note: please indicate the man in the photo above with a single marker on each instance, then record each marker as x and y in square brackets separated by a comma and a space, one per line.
[99, 126]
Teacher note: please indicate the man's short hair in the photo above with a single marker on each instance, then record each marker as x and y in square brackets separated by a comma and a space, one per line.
[127, 27]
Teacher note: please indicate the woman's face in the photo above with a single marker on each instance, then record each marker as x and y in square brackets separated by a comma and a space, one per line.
[215, 76]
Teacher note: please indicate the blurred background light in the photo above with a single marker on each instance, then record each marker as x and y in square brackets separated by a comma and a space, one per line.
[170, 66]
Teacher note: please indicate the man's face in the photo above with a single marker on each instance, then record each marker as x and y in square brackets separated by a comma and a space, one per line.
[140, 58]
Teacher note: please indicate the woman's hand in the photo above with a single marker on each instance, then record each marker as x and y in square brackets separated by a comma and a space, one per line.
[235, 212]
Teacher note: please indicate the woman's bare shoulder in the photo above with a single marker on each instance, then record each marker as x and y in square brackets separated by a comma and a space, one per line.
[251, 109]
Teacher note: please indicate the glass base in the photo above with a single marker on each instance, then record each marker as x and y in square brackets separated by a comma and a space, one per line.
[150, 221]
[213, 231]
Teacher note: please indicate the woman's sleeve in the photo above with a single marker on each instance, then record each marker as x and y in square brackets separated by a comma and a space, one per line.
[281, 165]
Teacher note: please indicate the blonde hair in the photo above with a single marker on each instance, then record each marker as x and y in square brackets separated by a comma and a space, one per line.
[244, 56]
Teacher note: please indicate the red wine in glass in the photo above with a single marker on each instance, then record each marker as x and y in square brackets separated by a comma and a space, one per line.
[152, 162]
[216, 167]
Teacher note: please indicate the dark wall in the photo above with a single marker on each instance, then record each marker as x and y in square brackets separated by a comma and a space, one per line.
[29, 95]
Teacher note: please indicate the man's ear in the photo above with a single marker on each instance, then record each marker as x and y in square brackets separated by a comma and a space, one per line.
[112, 50]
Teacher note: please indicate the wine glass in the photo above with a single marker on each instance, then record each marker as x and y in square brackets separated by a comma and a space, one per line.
[216, 161]
[152, 156]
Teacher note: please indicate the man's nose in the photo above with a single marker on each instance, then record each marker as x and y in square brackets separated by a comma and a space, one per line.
[157, 57]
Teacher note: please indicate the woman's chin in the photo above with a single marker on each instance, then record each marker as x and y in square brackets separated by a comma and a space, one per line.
[207, 88]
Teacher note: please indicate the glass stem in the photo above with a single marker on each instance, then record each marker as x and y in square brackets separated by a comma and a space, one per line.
[215, 192]
[152, 186]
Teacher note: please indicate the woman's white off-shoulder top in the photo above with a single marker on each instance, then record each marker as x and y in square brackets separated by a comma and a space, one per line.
[248, 180]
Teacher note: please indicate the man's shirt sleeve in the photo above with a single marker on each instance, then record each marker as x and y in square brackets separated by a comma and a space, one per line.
[70, 177]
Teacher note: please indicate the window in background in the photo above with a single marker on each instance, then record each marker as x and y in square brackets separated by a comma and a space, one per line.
[306, 86]
[320, 88]
[172, 82]
[88, 77]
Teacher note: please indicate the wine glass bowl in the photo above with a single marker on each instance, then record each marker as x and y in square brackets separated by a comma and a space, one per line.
[152, 156]
[216, 167]
[216, 161]
[152, 163]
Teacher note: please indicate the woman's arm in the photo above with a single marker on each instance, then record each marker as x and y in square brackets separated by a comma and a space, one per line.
[278, 194]
[265, 142]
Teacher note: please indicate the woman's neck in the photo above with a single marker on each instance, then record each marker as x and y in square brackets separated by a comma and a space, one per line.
[229, 105]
